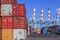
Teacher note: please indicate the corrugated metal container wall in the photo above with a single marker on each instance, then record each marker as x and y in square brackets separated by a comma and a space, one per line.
[22, 10]
[19, 10]
[19, 34]
[6, 9]
[8, 1]
[0, 23]
[7, 22]
[15, 10]
[15, 22]
[22, 22]
[10, 22]
[0, 34]
[19, 22]
[4, 22]
[7, 34]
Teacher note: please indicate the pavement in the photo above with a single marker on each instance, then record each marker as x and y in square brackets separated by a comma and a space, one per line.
[43, 37]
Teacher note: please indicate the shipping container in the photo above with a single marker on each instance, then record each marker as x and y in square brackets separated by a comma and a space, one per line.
[7, 22]
[4, 22]
[44, 30]
[19, 34]
[15, 10]
[22, 10]
[19, 10]
[19, 22]
[38, 30]
[10, 22]
[0, 34]
[8, 1]
[0, 9]
[6, 9]
[7, 34]
[0, 22]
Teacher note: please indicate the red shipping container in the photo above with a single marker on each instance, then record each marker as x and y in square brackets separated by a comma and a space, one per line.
[15, 22]
[9, 24]
[8, 1]
[0, 22]
[6, 22]
[19, 10]
[15, 10]
[19, 22]
[22, 10]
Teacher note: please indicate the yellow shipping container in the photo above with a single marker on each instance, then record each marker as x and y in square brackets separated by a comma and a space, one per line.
[0, 34]
[7, 34]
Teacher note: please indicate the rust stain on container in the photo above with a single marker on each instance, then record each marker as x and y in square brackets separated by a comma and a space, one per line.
[0, 34]
[6, 9]
[19, 10]
[8, 1]
[7, 34]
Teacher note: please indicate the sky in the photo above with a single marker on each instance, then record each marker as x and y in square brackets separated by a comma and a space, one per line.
[39, 4]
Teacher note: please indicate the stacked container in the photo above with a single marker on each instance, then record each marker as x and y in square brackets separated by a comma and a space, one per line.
[19, 22]
[6, 13]
[12, 20]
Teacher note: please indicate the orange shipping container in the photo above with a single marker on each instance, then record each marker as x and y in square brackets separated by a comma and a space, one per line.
[38, 31]
[0, 34]
[7, 34]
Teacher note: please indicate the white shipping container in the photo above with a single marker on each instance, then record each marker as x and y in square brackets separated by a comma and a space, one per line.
[6, 9]
[19, 34]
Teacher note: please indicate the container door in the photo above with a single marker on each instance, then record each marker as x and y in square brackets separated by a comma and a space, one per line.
[19, 34]
[0, 34]
[7, 34]
[9, 22]
[6, 9]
